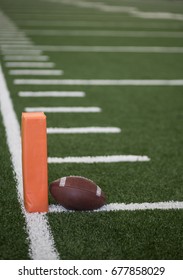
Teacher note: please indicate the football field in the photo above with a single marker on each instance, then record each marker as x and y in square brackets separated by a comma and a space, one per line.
[109, 77]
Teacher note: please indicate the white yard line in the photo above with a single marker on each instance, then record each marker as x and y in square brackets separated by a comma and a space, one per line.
[21, 52]
[25, 58]
[106, 33]
[82, 130]
[30, 64]
[51, 94]
[115, 49]
[35, 72]
[12, 42]
[99, 82]
[41, 243]
[64, 109]
[15, 36]
[9, 32]
[99, 159]
[8, 27]
[169, 205]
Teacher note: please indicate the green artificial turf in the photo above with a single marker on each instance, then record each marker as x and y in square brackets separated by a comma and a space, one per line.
[150, 119]
[13, 238]
[119, 235]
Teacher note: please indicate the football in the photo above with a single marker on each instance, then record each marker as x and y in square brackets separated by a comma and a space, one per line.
[77, 193]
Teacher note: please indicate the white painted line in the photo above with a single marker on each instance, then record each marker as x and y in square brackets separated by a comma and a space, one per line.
[13, 36]
[36, 72]
[82, 130]
[51, 94]
[158, 15]
[25, 58]
[15, 33]
[41, 243]
[30, 64]
[165, 205]
[120, 49]
[9, 32]
[99, 159]
[8, 27]
[99, 82]
[3, 39]
[22, 45]
[132, 11]
[64, 109]
[104, 33]
[21, 52]
[10, 42]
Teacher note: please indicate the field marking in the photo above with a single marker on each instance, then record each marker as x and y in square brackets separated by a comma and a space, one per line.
[15, 36]
[51, 94]
[20, 52]
[106, 33]
[115, 49]
[133, 11]
[99, 159]
[30, 64]
[15, 33]
[24, 45]
[165, 205]
[11, 42]
[41, 240]
[35, 72]
[25, 58]
[82, 130]
[64, 109]
[99, 82]
[8, 27]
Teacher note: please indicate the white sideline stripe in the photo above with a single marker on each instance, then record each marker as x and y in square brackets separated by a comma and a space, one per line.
[99, 82]
[125, 49]
[99, 159]
[64, 109]
[165, 205]
[30, 64]
[20, 52]
[36, 72]
[78, 130]
[39, 232]
[133, 11]
[25, 58]
[51, 94]
[104, 33]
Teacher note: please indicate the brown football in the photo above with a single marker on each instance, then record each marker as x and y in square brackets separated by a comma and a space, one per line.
[77, 193]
